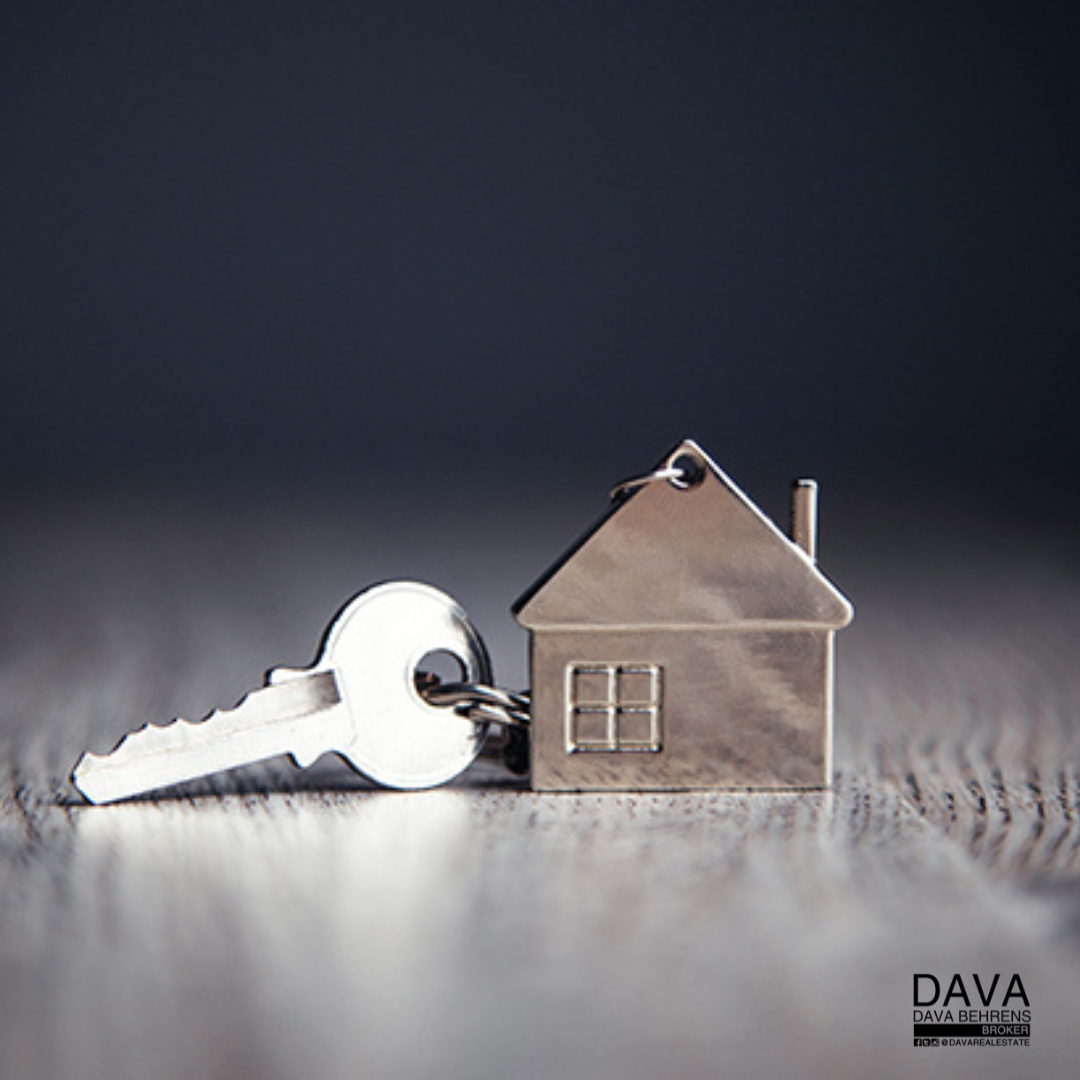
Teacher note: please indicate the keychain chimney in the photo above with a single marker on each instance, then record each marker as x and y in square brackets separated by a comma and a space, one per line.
[804, 516]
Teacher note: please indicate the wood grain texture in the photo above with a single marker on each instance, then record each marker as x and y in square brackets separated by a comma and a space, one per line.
[278, 924]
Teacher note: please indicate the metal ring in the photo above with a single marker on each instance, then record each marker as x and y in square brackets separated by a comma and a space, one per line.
[457, 693]
[481, 712]
[680, 477]
[488, 702]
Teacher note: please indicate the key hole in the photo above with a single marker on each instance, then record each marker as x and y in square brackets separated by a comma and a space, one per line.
[436, 668]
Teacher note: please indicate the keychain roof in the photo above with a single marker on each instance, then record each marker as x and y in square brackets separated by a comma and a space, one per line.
[679, 552]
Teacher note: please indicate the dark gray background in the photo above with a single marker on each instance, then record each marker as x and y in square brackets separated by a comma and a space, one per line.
[469, 245]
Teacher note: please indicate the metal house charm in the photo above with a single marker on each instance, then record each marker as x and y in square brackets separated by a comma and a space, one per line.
[684, 643]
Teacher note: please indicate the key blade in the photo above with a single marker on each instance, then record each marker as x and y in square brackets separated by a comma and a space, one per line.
[296, 717]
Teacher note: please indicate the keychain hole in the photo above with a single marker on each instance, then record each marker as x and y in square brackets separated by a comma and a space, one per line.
[437, 668]
[691, 472]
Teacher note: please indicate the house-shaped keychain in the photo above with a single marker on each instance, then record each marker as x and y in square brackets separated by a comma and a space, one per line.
[685, 642]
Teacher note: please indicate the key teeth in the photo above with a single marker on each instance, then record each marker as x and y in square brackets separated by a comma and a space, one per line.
[90, 764]
[157, 756]
[304, 761]
[148, 732]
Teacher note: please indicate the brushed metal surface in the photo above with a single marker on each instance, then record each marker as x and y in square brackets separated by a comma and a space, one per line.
[739, 710]
[685, 574]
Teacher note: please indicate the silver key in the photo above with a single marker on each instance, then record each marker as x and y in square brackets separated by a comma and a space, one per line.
[359, 700]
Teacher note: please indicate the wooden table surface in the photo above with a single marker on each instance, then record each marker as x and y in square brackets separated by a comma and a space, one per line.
[277, 924]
